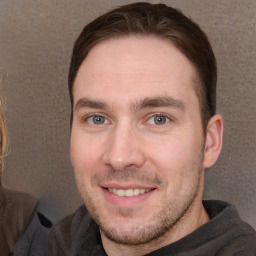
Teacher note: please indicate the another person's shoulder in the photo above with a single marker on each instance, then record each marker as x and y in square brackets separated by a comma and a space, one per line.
[16, 209]
[69, 233]
[24, 230]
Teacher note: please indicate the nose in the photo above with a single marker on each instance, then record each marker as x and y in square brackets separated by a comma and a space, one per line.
[124, 149]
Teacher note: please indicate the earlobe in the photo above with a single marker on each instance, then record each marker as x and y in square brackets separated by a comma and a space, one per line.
[213, 141]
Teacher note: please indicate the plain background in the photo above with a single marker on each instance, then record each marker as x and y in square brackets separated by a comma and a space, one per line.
[36, 40]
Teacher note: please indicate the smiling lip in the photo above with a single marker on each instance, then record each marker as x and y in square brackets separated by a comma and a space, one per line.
[126, 196]
[128, 192]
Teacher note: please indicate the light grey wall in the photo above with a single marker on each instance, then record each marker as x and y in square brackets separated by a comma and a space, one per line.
[36, 39]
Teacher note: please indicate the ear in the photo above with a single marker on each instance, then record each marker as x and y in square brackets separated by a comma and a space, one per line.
[213, 141]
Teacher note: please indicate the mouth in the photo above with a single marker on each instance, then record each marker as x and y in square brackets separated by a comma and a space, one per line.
[128, 192]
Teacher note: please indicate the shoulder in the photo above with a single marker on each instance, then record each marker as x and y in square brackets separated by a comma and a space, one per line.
[23, 229]
[240, 246]
[33, 239]
[236, 236]
[16, 203]
[16, 209]
[242, 242]
[67, 234]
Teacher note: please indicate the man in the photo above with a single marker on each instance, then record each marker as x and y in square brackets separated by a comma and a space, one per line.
[142, 83]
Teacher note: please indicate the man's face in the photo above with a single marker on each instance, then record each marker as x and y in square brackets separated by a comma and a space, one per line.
[137, 144]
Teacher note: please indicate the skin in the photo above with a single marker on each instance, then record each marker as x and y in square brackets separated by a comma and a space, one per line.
[137, 124]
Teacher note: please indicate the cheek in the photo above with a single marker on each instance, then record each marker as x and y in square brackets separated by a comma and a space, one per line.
[177, 161]
[84, 152]
[170, 153]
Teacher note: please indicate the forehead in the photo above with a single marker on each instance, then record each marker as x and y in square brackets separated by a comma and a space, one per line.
[148, 64]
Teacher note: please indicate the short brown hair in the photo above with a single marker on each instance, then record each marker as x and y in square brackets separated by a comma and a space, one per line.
[161, 21]
[3, 139]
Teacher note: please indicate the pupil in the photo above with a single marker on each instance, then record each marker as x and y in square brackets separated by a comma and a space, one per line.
[160, 120]
[98, 120]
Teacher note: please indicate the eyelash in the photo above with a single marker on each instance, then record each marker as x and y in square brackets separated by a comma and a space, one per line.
[154, 115]
[86, 118]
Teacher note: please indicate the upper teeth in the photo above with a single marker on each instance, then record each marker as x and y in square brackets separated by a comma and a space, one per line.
[128, 192]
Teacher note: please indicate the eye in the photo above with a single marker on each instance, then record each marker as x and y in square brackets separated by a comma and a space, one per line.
[158, 120]
[97, 119]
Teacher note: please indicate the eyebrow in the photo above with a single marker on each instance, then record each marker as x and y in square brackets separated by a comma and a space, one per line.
[87, 103]
[160, 101]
